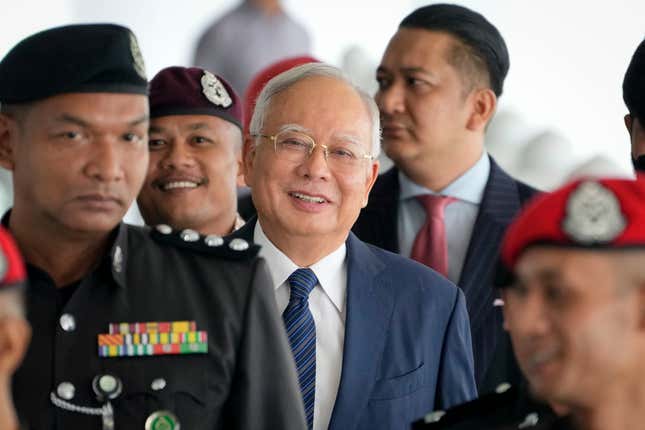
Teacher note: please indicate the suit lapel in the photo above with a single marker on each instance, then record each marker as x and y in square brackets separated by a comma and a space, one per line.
[369, 306]
[499, 205]
[377, 223]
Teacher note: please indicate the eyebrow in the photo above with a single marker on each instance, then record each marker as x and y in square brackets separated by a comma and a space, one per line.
[84, 123]
[348, 137]
[295, 127]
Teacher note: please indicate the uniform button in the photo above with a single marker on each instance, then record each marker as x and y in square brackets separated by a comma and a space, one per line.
[213, 240]
[65, 390]
[238, 244]
[158, 384]
[502, 388]
[67, 322]
[164, 228]
[189, 235]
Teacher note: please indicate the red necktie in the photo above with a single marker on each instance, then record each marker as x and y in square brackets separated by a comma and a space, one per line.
[430, 246]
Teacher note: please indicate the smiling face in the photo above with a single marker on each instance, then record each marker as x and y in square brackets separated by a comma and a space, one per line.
[306, 201]
[78, 160]
[191, 181]
[574, 322]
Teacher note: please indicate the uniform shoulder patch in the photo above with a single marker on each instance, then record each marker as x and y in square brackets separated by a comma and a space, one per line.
[228, 248]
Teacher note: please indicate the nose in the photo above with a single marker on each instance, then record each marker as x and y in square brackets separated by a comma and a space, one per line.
[315, 165]
[390, 99]
[177, 156]
[106, 163]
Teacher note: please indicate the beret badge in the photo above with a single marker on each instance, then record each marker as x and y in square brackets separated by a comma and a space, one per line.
[137, 58]
[215, 91]
[593, 215]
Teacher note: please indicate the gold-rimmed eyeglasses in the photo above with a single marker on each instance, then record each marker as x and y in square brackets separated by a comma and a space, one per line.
[296, 146]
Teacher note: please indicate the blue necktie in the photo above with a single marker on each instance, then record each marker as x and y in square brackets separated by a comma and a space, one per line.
[301, 330]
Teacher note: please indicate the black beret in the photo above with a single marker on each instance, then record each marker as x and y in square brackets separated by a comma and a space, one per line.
[472, 29]
[73, 59]
[193, 91]
[634, 84]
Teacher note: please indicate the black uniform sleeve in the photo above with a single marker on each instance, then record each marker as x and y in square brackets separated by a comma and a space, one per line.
[265, 393]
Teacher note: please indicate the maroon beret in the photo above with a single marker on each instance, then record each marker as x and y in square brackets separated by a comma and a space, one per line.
[193, 91]
[12, 268]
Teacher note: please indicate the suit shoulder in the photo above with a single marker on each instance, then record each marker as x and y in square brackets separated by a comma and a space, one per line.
[190, 241]
[404, 269]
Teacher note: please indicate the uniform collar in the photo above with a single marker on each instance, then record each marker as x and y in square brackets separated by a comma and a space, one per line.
[117, 256]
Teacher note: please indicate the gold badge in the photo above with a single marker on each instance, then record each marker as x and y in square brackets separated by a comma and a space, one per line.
[593, 215]
[214, 90]
[137, 58]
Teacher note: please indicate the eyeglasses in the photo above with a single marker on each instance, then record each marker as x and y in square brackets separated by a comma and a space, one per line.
[295, 146]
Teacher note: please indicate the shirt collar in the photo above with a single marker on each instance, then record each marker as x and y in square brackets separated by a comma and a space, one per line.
[468, 187]
[329, 270]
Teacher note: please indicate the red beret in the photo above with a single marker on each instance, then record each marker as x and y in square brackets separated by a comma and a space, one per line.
[193, 91]
[12, 268]
[591, 214]
[265, 75]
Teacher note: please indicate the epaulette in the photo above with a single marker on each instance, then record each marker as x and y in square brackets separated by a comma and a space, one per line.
[497, 410]
[228, 248]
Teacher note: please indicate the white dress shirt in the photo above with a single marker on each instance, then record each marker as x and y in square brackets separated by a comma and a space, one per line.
[327, 305]
[459, 216]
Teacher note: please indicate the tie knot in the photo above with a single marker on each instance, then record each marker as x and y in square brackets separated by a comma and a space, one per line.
[435, 205]
[302, 281]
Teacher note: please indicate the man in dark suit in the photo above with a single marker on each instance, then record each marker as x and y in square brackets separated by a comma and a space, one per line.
[375, 336]
[439, 81]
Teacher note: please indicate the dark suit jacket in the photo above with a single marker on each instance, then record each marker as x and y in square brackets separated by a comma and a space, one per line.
[503, 198]
[407, 341]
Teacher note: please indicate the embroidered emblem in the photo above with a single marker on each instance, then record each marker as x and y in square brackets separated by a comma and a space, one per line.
[214, 90]
[162, 420]
[117, 259]
[137, 58]
[152, 338]
[593, 215]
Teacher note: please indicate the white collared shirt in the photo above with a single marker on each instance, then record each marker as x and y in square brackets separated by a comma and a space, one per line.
[459, 217]
[327, 305]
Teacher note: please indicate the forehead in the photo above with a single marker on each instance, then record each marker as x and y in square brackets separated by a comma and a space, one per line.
[94, 108]
[321, 104]
[191, 122]
[550, 263]
[412, 47]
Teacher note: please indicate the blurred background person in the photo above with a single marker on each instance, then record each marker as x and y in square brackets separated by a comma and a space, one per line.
[634, 97]
[14, 328]
[251, 36]
[195, 143]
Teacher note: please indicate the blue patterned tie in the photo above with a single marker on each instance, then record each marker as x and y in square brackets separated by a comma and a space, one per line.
[301, 330]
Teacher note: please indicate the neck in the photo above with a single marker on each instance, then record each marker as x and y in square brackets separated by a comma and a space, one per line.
[66, 258]
[268, 7]
[618, 407]
[221, 226]
[8, 418]
[437, 171]
[304, 251]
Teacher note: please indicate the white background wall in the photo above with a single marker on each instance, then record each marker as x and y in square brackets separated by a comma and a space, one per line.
[568, 58]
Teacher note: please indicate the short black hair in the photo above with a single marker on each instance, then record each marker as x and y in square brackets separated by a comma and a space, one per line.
[634, 84]
[485, 53]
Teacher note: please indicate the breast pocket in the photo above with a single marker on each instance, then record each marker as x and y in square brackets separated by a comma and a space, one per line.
[175, 384]
[399, 386]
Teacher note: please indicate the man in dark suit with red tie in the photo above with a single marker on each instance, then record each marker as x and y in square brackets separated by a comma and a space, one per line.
[446, 203]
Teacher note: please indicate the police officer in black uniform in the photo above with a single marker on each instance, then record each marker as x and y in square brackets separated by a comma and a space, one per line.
[133, 328]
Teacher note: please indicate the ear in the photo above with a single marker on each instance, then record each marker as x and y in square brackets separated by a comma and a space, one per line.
[240, 169]
[370, 180]
[8, 130]
[484, 103]
[628, 123]
[14, 338]
[248, 159]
